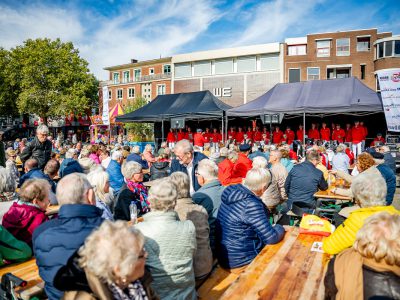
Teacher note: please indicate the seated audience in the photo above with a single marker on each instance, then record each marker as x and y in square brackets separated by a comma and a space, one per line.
[11, 249]
[243, 227]
[387, 174]
[278, 171]
[256, 151]
[70, 164]
[99, 180]
[86, 162]
[188, 210]
[32, 171]
[285, 160]
[371, 268]
[340, 161]
[225, 169]
[7, 186]
[260, 162]
[10, 164]
[148, 155]
[135, 156]
[132, 191]
[110, 265]
[25, 215]
[55, 241]
[389, 159]
[114, 172]
[160, 169]
[93, 149]
[170, 243]
[104, 158]
[243, 163]
[369, 192]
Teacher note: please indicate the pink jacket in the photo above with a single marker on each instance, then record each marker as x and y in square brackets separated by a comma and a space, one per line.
[95, 158]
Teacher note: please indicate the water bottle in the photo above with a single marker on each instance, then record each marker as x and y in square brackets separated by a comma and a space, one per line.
[133, 212]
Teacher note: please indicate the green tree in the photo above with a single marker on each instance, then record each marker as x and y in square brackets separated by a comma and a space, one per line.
[141, 132]
[52, 79]
[8, 94]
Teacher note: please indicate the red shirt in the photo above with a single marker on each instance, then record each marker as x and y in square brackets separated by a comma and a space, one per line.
[239, 136]
[199, 139]
[189, 136]
[350, 154]
[299, 134]
[171, 137]
[365, 131]
[181, 136]
[348, 135]
[249, 134]
[292, 154]
[289, 136]
[217, 137]
[338, 135]
[313, 134]
[378, 140]
[257, 136]
[225, 173]
[242, 166]
[207, 136]
[325, 134]
[357, 134]
[232, 134]
[277, 137]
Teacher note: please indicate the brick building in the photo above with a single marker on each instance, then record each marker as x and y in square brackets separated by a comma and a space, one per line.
[334, 55]
[387, 53]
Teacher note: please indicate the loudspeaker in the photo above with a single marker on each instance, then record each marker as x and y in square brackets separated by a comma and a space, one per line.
[178, 123]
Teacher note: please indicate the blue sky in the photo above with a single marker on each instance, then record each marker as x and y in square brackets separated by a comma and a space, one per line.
[112, 32]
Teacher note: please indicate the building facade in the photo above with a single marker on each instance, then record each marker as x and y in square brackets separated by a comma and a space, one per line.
[387, 53]
[333, 55]
[235, 75]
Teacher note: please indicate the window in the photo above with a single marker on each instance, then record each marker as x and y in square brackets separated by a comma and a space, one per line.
[397, 48]
[167, 69]
[223, 66]
[379, 51]
[323, 48]
[389, 48]
[202, 68]
[269, 62]
[246, 64]
[343, 47]
[362, 71]
[119, 94]
[151, 71]
[294, 75]
[297, 50]
[126, 77]
[183, 70]
[363, 43]
[116, 78]
[138, 74]
[131, 93]
[338, 73]
[160, 89]
[312, 73]
[109, 94]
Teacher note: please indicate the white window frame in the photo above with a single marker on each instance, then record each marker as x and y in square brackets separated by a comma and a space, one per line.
[319, 73]
[363, 50]
[129, 91]
[151, 71]
[134, 74]
[122, 94]
[123, 76]
[170, 69]
[342, 53]
[164, 87]
[297, 47]
[288, 78]
[329, 48]
[116, 81]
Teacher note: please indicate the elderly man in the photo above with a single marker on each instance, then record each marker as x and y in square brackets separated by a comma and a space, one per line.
[303, 182]
[70, 164]
[56, 240]
[114, 171]
[278, 171]
[389, 159]
[209, 195]
[40, 148]
[187, 161]
[135, 156]
[340, 160]
[31, 171]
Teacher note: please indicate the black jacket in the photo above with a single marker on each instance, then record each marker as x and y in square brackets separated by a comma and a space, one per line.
[40, 151]
[384, 285]
[124, 199]
[159, 170]
[302, 183]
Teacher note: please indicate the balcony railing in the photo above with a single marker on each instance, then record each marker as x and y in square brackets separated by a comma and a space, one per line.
[139, 79]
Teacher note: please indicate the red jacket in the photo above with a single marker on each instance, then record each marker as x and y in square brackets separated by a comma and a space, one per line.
[250, 134]
[189, 136]
[376, 140]
[22, 219]
[357, 134]
[199, 139]
[338, 135]
[299, 134]
[225, 173]
[217, 137]
[365, 131]
[232, 134]
[242, 166]
[292, 155]
[325, 134]
[207, 136]
[289, 136]
[181, 136]
[277, 137]
[348, 138]
[350, 154]
[257, 136]
[239, 136]
[171, 137]
[313, 134]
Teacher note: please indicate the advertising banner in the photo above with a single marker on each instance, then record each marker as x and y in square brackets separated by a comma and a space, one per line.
[106, 112]
[389, 82]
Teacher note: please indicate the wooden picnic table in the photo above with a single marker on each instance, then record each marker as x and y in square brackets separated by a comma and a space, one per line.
[287, 270]
[328, 194]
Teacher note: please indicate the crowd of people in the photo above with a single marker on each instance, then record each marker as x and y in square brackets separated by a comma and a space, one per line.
[200, 200]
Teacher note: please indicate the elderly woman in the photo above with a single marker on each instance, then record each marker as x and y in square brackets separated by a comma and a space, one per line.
[25, 215]
[86, 163]
[148, 154]
[243, 227]
[93, 149]
[285, 160]
[188, 210]
[109, 266]
[10, 164]
[170, 243]
[132, 191]
[260, 162]
[374, 260]
[340, 161]
[7, 186]
[369, 192]
[99, 180]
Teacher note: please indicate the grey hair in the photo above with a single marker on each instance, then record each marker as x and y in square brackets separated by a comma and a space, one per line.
[116, 155]
[7, 181]
[163, 196]
[223, 151]
[208, 169]
[84, 153]
[260, 162]
[98, 179]
[313, 155]
[130, 168]
[232, 154]
[257, 179]
[370, 190]
[72, 189]
[42, 128]
[277, 153]
[341, 147]
[148, 147]
[184, 145]
[182, 182]
[135, 149]
[70, 153]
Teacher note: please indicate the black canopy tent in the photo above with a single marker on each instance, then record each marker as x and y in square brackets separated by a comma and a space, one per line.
[315, 97]
[190, 106]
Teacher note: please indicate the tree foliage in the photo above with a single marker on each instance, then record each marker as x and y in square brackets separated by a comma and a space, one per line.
[141, 132]
[51, 78]
[8, 94]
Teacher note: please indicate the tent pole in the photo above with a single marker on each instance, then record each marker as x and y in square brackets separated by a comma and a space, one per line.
[270, 129]
[225, 134]
[304, 133]
[162, 130]
[223, 128]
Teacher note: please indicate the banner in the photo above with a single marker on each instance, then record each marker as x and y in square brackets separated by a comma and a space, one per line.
[389, 82]
[106, 112]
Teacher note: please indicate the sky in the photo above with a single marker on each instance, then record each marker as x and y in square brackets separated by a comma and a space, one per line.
[111, 32]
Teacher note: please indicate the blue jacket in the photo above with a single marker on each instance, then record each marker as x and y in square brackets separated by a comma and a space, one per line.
[390, 161]
[243, 227]
[390, 179]
[38, 174]
[259, 153]
[116, 177]
[56, 240]
[302, 183]
[69, 166]
[176, 167]
[138, 159]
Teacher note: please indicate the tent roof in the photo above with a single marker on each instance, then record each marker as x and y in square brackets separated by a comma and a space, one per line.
[195, 105]
[316, 96]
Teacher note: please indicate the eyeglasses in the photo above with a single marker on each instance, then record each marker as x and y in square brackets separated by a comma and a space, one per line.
[180, 157]
[143, 254]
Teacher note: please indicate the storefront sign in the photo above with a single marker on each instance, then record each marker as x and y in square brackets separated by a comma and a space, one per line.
[106, 113]
[389, 82]
[223, 92]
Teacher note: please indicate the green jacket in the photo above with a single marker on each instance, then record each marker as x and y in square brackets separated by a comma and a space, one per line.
[2, 155]
[12, 249]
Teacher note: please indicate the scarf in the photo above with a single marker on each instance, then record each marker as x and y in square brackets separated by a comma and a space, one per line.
[134, 291]
[139, 190]
[349, 274]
